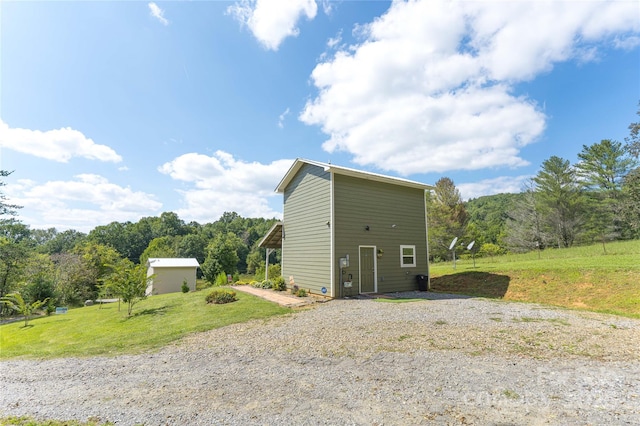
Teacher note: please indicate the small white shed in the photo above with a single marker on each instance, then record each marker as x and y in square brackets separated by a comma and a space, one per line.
[170, 273]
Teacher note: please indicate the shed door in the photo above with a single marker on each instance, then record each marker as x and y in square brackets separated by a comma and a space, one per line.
[367, 270]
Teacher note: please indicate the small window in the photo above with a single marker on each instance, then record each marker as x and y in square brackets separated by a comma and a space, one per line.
[407, 256]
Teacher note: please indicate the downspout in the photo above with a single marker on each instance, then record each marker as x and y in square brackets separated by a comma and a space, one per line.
[332, 235]
[426, 232]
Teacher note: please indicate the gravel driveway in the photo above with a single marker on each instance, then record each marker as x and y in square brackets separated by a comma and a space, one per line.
[447, 361]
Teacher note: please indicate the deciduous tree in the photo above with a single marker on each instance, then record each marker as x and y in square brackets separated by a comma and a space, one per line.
[633, 140]
[5, 207]
[16, 302]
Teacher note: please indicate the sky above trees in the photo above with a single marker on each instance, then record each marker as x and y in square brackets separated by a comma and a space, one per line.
[113, 111]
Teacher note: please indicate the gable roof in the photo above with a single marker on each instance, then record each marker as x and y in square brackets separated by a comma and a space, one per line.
[297, 165]
[172, 262]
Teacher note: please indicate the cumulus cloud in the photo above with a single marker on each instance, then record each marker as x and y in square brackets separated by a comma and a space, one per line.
[157, 13]
[221, 183]
[430, 87]
[271, 21]
[499, 185]
[83, 203]
[58, 145]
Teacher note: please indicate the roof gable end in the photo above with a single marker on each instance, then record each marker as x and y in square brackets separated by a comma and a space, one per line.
[297, 165]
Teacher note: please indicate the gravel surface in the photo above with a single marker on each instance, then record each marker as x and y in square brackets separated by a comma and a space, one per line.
[452, 360]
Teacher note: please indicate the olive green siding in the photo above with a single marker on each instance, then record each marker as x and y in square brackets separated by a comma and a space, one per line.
[359, 203]
[306, 246]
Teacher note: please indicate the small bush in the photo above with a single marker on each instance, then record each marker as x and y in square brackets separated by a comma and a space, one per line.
[255, 284]
[279, 284]
[267, 284]
[294, 289]
[301, 292]
[51, 307]
[221, 279]
[221, 295]
[185, 286]
[241, 283]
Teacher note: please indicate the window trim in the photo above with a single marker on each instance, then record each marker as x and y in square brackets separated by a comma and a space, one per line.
[403, 256]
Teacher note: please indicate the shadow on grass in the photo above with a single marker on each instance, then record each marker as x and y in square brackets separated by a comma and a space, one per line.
[162, 310]
[472, 283]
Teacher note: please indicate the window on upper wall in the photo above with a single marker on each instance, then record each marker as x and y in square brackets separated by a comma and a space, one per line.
[407, 256]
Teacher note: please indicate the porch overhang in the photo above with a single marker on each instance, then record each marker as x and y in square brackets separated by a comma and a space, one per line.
[273, 239]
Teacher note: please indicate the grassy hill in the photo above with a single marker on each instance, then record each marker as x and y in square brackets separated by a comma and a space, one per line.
[103, 330]
[578, 278]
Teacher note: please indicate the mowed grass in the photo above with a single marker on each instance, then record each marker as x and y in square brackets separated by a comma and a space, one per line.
[103, 330]
[578, 278]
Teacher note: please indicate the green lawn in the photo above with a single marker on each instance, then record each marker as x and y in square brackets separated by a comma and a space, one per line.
[579, 278]
[103, 330]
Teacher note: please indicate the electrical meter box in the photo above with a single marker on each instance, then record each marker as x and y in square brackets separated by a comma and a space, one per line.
[344, 262]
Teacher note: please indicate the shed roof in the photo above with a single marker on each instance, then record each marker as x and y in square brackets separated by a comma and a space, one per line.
[172, 262]
[273, 239]
[297, 165]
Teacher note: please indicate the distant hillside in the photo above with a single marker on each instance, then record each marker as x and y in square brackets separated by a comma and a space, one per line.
[489, 214]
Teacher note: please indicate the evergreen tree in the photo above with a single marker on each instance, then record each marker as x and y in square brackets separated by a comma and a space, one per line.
[602, 168]
[446, 215]
[561, 200]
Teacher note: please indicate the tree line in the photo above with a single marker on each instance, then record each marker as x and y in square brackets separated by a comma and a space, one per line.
[597, 199]
[70, 267]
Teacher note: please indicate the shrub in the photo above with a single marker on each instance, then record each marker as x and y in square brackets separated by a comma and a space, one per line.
[221, 279]
[294, 289]
[279, 284]
[221, 295]
[274, 271]
[185, 286]
[301, 292]
[51, 307]
[255, 284]
[267, 284]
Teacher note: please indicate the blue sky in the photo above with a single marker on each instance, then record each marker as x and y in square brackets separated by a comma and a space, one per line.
[112, 111]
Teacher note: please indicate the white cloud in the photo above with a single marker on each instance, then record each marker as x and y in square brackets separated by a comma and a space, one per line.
[58, 145]
[627, 43]
[431, 86]
[499, 185]
[271, 21]
[83, 203]
[282, 117]
[334, 41]
[222, 183]
[157, 13]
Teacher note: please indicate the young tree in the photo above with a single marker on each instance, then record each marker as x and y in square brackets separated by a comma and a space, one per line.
[15, 302]
[561, 200]
[129, 282]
